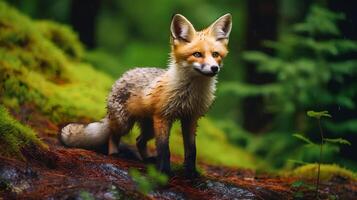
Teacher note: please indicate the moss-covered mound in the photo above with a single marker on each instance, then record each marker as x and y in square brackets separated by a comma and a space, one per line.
[327, 172]
[14, 136]
[40, 64]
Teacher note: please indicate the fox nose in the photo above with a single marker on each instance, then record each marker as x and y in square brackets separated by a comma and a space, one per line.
[214, 69]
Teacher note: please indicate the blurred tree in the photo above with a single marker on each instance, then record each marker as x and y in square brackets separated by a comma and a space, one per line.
[82, 17]
[262, 25]
[314, 71]
[348, 31]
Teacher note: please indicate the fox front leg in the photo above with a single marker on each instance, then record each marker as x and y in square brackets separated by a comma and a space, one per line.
[189, 138]
[162, 131]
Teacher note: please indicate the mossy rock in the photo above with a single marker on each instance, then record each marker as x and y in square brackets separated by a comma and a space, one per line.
[14, 136]
[327, 171]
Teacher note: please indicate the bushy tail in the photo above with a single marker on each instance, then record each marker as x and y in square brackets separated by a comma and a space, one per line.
[86, 136]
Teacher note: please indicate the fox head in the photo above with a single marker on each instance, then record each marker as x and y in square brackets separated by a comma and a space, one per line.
[201, 52]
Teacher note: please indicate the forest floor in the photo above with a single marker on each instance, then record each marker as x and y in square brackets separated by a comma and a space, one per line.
[69, 173]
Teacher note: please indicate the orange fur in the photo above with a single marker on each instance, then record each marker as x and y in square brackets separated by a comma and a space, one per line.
[202, 42]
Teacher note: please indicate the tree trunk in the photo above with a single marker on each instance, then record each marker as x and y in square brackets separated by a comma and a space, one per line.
[82, 16]
[262, 25]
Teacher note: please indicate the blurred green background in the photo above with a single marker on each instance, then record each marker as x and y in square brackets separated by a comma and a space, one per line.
[286, 57]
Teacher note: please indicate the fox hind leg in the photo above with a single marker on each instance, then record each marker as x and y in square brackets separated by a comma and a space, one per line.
[147, 133]
[118, 128]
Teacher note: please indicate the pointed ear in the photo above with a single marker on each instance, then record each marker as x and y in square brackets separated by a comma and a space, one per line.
[222, 27]
[181, 28]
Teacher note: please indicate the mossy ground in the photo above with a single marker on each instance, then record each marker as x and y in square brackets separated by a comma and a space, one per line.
[14, 135]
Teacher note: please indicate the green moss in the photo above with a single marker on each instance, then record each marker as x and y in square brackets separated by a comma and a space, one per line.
[14, 136]
[20, 37]
[328, 171]
[39, 64]
[63, 37]
[83, 97]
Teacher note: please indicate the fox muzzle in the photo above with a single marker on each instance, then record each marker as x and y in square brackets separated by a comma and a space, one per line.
[206, 69]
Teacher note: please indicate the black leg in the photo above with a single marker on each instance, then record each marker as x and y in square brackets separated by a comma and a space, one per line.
[147, 132]
[189, 139]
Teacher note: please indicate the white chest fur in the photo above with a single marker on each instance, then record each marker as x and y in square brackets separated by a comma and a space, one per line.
[189, 94]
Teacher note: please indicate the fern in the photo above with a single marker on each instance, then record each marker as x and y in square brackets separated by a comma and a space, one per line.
[303, 138]
[338, 141]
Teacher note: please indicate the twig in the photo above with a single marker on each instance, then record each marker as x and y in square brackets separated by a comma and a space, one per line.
[319, 163]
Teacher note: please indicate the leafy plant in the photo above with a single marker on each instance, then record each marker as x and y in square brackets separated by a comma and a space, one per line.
[299, 186]
[86, 195]
[318, 116]
[115, 192]
[149, 181]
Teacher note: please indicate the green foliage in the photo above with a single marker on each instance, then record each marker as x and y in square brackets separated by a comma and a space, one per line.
[303, 138]
[338, 141]
[320, 21]
[116, 193]
[300, 186]
[312, 71]
[86, 195]
[14, 136]
[318, 115]
[306, 63]
[148, 182]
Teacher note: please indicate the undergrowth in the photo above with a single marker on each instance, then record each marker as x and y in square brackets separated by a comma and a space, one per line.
[14, 136]
[327, 172]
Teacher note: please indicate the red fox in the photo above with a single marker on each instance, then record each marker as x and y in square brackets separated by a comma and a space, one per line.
[155, 98]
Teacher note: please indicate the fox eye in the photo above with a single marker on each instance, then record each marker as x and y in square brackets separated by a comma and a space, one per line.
[215, 54]
[197, 54]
